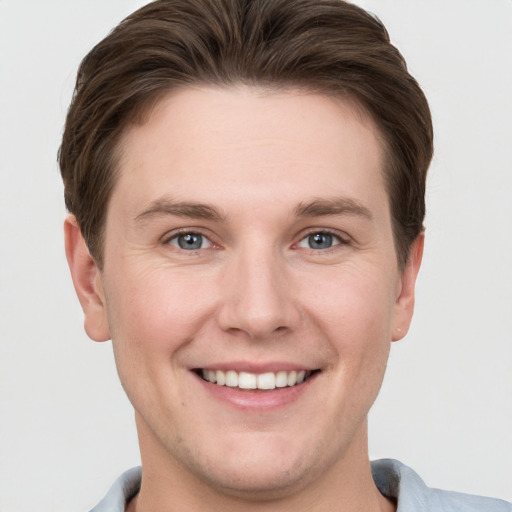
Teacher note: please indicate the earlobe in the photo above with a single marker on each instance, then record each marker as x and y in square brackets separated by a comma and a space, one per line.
[87, 281]
[404, 306]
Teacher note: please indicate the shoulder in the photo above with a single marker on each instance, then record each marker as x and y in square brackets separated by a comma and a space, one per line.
[398, 481]
[448, 501]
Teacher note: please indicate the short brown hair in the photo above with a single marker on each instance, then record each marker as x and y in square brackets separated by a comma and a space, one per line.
[326, 46]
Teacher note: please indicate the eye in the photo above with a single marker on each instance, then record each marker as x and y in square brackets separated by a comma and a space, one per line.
[320, 240]
[190, 241]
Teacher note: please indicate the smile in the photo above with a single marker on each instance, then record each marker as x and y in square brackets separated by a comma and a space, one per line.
[246, 380]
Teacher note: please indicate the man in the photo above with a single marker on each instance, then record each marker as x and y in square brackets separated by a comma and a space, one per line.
[245, 181]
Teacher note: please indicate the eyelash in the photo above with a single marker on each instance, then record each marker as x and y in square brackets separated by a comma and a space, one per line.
[167, 240]
[342, 239]
[339, 240]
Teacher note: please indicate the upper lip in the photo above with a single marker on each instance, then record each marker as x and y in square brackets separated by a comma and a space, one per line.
[257, 368]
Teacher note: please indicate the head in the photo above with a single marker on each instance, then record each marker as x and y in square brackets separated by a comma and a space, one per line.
[329, 47]
[247, 180]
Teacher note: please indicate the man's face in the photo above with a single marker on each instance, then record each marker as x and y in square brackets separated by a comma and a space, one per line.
[248, 240]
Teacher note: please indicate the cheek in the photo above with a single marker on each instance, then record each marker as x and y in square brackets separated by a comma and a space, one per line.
[353, 315]
[356, 315]
[357, 309]
[154, 308]
[152, 316]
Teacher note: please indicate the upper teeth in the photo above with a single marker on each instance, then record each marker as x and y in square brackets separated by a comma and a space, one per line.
[246, 380]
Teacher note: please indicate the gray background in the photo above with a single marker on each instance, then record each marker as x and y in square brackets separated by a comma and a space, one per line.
[66, 429]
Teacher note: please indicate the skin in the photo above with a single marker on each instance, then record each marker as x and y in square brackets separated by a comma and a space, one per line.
[268, 169]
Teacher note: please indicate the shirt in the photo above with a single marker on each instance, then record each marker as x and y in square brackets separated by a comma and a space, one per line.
[392, 478]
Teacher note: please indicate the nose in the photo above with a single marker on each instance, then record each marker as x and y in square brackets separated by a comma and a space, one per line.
[257, 296]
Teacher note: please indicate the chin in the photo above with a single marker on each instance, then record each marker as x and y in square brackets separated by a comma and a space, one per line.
[259, 483]
[267, 470]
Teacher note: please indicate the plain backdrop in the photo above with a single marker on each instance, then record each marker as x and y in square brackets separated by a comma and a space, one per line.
[66, 429]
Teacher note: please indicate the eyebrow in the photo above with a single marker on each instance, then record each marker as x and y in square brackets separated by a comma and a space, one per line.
[313, 208]
[335, 206]
[164, 207]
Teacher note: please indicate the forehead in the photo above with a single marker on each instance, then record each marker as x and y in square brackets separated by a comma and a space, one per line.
[247, 141]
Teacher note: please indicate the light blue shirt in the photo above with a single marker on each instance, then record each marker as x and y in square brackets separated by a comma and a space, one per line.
[393, 479]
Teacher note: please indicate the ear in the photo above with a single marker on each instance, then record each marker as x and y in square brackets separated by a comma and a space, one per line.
[404, 306]
[87, 281]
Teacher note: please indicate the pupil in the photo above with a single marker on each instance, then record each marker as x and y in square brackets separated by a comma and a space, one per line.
[190, 241]
[320, 241]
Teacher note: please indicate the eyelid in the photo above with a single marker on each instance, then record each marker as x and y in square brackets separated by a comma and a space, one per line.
[343, 238]
[166, 239]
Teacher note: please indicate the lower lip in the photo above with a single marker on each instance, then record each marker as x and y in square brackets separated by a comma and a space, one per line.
[254, 399]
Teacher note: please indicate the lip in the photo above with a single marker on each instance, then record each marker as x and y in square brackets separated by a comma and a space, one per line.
[241, 366]
[256, 400]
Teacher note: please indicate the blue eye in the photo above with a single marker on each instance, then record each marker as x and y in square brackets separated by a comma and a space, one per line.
[190, 241]
[320, 240]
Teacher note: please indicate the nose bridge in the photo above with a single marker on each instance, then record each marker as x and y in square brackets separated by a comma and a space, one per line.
[258, 296]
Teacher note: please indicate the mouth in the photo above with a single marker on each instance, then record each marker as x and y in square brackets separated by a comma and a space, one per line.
[250, 381]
